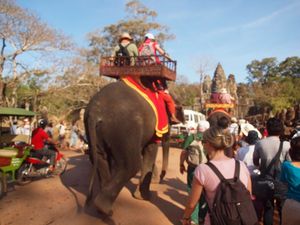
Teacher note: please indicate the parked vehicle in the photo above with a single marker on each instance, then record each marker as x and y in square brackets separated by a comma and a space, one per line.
[11, 159]
[14, 149]
[180, 131]
[192, 119]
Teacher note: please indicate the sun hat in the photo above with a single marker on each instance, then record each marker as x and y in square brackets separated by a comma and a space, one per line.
[242, 121]
[150, 36]
[125, 35]
[203, 125]
[246, 127]
[233, 119]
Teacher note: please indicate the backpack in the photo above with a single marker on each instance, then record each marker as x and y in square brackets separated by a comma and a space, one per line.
[148, 49]
[195, 153]
[267, 185]
[232, 204]
[122, 56]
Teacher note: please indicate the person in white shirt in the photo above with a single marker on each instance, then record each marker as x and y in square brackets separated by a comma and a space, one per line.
[61, 132]
[20, 128]
[245, 154]
[27, 127]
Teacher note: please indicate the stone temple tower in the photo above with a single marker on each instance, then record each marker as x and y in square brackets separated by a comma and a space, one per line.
[219, 80]
[232, 87]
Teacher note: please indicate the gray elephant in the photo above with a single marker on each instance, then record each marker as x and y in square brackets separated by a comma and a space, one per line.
[120, 126]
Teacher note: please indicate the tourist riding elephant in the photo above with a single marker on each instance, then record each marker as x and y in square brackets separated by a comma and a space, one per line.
[120, 127]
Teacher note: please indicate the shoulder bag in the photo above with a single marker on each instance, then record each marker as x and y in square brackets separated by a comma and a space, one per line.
[265, 186]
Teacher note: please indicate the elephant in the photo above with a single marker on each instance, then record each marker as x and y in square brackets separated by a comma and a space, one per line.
[215, 115]
[120, 127]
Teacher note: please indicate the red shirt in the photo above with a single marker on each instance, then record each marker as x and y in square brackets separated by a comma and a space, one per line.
[39, 136]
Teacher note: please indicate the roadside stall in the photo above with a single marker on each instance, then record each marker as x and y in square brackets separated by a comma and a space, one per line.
[13, 148]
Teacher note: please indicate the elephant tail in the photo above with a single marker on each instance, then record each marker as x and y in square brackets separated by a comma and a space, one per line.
[91, 130]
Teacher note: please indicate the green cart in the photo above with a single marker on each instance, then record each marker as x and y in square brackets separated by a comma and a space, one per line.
[14, 149]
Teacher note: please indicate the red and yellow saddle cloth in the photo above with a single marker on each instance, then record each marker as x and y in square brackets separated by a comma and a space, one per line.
[156, 102]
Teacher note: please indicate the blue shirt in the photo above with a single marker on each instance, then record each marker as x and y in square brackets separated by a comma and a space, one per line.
[291, 175]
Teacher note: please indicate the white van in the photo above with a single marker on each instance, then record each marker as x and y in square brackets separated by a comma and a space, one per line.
[192, 119]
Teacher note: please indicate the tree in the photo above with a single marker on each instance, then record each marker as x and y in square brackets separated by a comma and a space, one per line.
[290, 67]
[262, 70]
[139, 21]
[63, 96]
[21, 33]
[185, 93]
[273, 84]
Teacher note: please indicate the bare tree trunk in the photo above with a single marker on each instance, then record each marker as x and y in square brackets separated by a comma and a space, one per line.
[2, 92]
[2, 84]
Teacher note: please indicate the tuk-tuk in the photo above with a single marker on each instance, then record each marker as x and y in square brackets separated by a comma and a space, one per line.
[11, 155]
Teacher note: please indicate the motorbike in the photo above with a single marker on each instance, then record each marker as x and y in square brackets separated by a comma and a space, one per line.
[38, 167]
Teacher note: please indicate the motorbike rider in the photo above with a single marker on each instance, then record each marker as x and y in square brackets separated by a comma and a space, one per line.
[39, 137]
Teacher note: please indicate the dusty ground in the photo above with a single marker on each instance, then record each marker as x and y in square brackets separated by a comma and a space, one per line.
[60, 200]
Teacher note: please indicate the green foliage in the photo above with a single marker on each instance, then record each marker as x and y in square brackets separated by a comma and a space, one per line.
[262, 70]
[185, 93]
[290, 67]
[275, 84]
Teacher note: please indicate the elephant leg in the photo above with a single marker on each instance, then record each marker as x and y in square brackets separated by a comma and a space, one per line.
[121, 173]
[101, 167]
[149, 156]
[165, 155]
[155, 175]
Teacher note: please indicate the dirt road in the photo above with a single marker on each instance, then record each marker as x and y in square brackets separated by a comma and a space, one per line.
[60, 200]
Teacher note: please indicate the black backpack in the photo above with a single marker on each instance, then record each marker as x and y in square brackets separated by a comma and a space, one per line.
[122, 56]
[232, 204]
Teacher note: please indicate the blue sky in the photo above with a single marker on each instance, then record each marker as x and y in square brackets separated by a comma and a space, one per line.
[232, 32]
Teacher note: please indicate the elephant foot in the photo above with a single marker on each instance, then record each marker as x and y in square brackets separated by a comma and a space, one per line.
[162, 175]
[104, 205]
[141, 195]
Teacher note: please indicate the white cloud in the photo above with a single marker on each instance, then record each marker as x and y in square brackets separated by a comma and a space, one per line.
[273, 15]
[257, 22]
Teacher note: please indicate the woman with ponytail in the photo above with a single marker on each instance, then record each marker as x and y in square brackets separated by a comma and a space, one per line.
[215, 140]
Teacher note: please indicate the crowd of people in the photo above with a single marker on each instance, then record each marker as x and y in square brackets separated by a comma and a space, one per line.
[67, 136]
[228, 141]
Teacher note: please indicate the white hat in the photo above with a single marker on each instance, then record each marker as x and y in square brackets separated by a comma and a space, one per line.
[246, 127]
[233, 119]
[203, 125]
[150, 36]
[242, 121]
